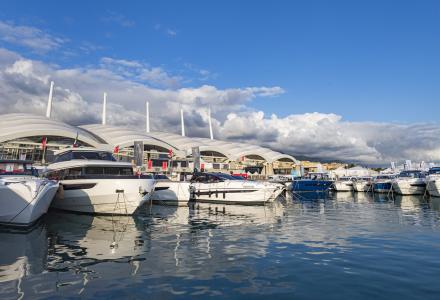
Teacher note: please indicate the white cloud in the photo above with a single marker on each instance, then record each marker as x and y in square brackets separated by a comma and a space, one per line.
[24, 86]
[29, 37]
[117, 18]
[171, 32]
[328, 136]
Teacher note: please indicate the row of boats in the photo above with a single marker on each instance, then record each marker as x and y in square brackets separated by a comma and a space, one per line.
[408, 182]
[87, 180]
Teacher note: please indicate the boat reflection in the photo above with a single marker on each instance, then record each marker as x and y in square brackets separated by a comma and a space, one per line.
[22, 253]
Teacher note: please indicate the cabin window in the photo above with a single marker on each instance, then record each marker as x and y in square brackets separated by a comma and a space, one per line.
[73, 173]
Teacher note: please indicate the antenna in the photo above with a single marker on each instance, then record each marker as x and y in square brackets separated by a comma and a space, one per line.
[182, 122]
[210, 124]
[147, 115]
[104, 108]
[49, 101]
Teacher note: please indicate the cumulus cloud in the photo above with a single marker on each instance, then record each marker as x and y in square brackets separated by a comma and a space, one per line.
[78, 95]
[328, 136]
[29, 37]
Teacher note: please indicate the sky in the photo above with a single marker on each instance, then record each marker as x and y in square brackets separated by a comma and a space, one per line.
[336, 80]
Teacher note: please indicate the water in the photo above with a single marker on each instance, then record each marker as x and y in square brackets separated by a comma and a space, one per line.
[343, 247]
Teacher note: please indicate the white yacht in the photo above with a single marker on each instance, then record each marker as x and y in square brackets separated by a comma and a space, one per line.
[344, 184]
[410, 182]
[168, 192]
[433, 182]
[92, 181]
[24, 197]
[363, 184]
[222, 188]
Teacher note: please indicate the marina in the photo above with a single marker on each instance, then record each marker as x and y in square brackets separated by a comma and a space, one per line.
[219, 150]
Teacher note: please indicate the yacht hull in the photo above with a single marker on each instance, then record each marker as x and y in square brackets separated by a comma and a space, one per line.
[235, 192]
[382, 187]
[309, 185]
[409, 187]
[171, 193]
[24, 202]
[343, 186]
[103, 196]
[361, 186]
[433, 187]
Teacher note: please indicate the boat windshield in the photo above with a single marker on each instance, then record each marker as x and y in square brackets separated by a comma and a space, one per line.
[89, 155]
[227, 176]
[160, 176]
[317, 176]
[411, 174]
[384, 177]
[435, 170]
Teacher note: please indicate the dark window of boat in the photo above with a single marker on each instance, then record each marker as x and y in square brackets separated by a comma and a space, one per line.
[93, 155]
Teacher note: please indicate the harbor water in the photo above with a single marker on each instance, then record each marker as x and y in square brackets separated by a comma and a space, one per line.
[352, 246]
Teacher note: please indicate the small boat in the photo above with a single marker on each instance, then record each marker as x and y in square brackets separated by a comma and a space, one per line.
[363, 184]
[433, 182]
[344, 184]
[313, 182]
[168, 192]
[92, 181]
[382, 183]
[410, 182]
[24, 197]
[220, 188]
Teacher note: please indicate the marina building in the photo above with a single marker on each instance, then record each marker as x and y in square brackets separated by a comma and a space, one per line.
[33, 137]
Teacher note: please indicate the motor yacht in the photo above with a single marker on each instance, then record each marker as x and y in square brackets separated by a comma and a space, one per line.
[312, 182]
[92, 181]
[363, 184]
[344, 184]
[24, 197]
[410, 182]
[433, 182]
[383, 183]
[168, 192]
[223, 188]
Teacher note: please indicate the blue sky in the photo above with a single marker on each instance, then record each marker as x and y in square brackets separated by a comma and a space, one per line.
[364, 60]
[337, 80]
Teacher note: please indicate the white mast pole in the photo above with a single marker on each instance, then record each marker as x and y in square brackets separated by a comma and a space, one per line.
[147, 113]
[49, 101]
[104, 108]
[182, 122]
[211, 134]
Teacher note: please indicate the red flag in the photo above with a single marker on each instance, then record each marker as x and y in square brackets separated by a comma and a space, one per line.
[116, 149]
[43, 143]
[150, 164]
[170, 153]
[164, 165]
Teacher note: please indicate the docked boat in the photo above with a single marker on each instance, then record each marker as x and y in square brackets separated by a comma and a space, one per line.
[383, 183]
[24, 197]
[168, 192]
[312, 182]
[363, 184]
[222, 188]
[410, 182]
[433, 182]
[344, 184]
[92, 181]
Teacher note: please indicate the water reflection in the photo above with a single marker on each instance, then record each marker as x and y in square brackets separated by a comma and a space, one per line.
[220, 250]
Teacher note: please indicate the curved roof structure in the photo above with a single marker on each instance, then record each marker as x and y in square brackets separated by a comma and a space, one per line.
[20, 125]
[232, 150]
[125, 137]
[16, 126]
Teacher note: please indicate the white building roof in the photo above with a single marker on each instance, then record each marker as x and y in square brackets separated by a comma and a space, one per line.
[16, 126]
